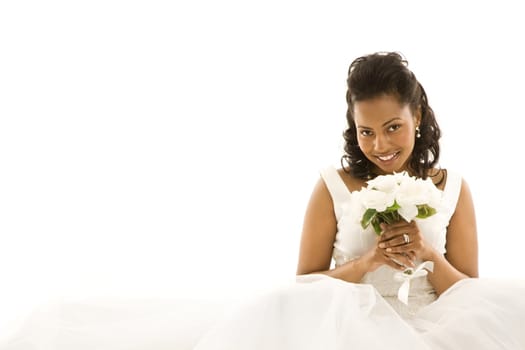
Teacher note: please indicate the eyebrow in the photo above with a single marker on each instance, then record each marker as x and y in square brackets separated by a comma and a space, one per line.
[385, 123]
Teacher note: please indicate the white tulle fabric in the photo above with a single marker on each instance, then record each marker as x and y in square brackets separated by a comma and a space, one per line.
[319, 312]
[316, 312]
[113, 323]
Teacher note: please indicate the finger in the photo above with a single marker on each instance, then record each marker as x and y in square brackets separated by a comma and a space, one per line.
[392, 263]
[394, 229]
[391, 232]
[398, 249]
[399, 223]
[402, 259]
[396, 241]
[412, 255]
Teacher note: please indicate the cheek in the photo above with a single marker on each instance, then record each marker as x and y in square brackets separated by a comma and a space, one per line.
[403, 137]
[407, 138]
[364, 144]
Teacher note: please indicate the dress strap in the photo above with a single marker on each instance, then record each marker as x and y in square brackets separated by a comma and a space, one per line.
[337, 188]
[452, 190]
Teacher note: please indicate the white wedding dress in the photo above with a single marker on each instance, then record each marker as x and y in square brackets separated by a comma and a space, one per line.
[316, 312]
[319, 312]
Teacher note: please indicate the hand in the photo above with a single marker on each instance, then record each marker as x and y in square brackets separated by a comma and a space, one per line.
[404, 243]
[378, 256]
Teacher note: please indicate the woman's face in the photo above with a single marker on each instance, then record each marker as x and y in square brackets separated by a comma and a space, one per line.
[385, 132]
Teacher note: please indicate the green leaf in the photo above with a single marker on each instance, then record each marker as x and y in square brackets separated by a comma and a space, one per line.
[424, 211]
[368, 216]
[388, 217]
[393, 207]
[377, 228]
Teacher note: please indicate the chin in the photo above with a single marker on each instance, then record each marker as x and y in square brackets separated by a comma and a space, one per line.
[391, 169]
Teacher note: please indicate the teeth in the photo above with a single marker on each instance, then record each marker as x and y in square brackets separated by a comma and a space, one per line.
[386, 158]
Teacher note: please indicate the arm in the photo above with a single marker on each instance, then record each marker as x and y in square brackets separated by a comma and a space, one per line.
[461, 259]
[317, 240]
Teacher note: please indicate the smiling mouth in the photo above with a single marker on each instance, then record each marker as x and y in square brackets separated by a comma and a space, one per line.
[388, 157]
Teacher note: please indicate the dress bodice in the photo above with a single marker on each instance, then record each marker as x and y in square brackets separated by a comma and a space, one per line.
[352, 241]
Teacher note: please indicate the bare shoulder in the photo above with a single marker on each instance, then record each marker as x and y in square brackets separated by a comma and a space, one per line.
[465, 195]
[319, 230]
[462, 243]
[321, 193]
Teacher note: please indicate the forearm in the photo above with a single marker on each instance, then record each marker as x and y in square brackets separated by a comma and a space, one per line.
[444, 275]
[352, 271]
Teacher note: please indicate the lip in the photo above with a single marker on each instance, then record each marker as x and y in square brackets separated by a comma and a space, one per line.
[388, 158]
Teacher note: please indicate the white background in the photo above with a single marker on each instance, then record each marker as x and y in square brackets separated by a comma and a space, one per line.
[155, 148]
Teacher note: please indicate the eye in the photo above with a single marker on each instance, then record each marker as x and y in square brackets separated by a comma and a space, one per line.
[394, 127]
[365, 132]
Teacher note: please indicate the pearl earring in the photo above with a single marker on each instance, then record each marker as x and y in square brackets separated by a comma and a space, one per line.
[418, 132]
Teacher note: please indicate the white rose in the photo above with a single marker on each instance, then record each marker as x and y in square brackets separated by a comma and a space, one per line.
[414, 192]
[376, 199]
[385, 183]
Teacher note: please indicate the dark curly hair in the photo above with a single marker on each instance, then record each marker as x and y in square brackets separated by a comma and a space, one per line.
[386, 73]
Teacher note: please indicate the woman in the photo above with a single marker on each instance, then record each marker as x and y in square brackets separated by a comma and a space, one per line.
[362, 301]
[357, 303]
[391, 128]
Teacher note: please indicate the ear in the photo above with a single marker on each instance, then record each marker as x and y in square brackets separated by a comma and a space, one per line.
[417, 116]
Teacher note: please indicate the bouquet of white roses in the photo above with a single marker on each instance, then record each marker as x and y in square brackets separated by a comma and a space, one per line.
[390, 198]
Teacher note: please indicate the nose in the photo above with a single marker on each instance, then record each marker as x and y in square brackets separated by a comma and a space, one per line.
[381, 143]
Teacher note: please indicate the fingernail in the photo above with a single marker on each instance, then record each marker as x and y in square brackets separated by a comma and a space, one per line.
[381, 245]
[388, 250]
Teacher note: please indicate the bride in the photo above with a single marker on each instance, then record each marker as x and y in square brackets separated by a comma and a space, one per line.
[354, 289]
[347, 295]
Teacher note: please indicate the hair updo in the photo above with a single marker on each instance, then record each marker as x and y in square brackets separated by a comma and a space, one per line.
[381, 74]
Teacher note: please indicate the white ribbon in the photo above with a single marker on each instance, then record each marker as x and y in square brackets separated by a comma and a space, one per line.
[407, 275]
